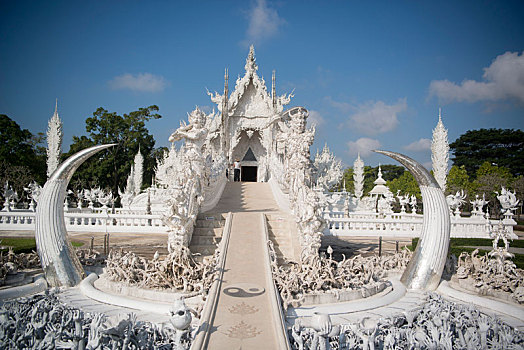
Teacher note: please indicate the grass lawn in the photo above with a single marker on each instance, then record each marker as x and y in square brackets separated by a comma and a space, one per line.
[25, 244]
[459, 245]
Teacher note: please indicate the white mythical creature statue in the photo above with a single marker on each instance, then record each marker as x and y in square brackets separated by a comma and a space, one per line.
[184, 186]
[478, 205]
[299, 139]
[508, 200]
[413, 204]
[455, 201]
[385, 204]
[34, 191]
[10, 197]
[105, 198]
[403, 200]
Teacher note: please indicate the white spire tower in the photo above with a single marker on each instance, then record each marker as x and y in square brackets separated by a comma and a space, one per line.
[440, 152]
[54, 141]
[138, 172]
[358, 177]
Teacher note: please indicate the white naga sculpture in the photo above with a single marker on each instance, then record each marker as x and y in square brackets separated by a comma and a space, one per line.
[440, 153]
[54, 142]
[59, 261]
[425, 268]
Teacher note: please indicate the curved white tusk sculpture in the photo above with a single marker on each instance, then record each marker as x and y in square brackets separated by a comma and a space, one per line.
[59, 261]
[425, 267]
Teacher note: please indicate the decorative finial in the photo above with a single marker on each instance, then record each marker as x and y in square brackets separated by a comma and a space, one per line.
[251, 65]
[440, 114]
[56, 106]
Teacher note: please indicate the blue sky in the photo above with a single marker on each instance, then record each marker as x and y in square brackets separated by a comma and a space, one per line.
[372, 74]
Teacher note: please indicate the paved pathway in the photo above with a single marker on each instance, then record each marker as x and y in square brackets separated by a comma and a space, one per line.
[243, 317]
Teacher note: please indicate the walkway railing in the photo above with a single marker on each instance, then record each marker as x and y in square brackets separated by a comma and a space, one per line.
[210, 308]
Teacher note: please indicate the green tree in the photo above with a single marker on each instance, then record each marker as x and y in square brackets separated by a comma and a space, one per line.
[22, 158]
[503, 147]
[110, 168]
[406, 184]
[458, 179]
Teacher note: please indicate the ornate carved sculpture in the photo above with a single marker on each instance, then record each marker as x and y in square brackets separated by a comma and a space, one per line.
[59, 262]
[478, 205]
[508, 200]
[10, 197]
[403, 201]
[455, 201]
[425, 268]
[328, 169]
[34, 191]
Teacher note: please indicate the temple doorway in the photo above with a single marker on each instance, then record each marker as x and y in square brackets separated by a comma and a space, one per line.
[249, 173]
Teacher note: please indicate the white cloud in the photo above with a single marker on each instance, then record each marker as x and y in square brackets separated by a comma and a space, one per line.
[418, 146]
[363, 145]
[315, 118]
[264, 23]
[141, 82]
[503, 79]
[377, 117]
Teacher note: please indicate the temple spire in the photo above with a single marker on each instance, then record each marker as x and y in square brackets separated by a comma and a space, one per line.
[274, 91]
[225, 101]
[225, 110]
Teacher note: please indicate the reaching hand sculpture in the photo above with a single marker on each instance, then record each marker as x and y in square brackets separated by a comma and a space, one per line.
[59, 261]
[425, 268]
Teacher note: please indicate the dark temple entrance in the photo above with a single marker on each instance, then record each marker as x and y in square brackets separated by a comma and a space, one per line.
[249, 174]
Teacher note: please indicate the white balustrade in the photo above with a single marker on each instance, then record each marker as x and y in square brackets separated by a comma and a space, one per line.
[401, 225]
[99, 221]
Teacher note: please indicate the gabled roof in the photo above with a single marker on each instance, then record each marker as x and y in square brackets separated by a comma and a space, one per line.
[250, 96]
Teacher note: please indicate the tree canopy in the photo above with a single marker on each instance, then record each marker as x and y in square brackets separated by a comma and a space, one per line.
[501, 147]
[110, 168]
[22, 158]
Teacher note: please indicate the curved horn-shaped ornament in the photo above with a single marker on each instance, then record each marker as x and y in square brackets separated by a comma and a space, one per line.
[424, 270]
[59, 262]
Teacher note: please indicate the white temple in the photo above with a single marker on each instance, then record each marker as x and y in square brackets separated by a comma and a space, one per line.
[246, 128]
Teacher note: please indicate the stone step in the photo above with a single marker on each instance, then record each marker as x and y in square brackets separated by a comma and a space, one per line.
[208, 231]
[278, 233]
[209, 223]
[205, 240]
[208, 216]
[282, 225]
[278, 217]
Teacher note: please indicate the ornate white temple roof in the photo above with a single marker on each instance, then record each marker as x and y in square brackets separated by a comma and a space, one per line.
[250, 97]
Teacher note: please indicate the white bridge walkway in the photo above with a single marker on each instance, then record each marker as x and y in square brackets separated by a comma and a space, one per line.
[245, 316]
